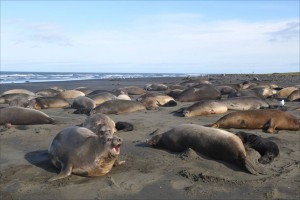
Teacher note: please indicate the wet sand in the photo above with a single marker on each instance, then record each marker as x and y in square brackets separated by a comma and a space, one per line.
[148, 173]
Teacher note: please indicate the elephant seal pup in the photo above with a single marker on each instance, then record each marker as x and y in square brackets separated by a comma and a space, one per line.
[156, 87]
[23, 116]
[285, 92]
[83, 104]
[214, 143]
[225, 89]
[198, 93]
[7, 98]
[132, 90]
[124, 126]
[118, 106]
[47, 92]
[18, 91]
[267, 149]
[294, 96]
[204, 107]
[244, 103]
[70, 94]
[49, 102]
[79, 151]
[85, 90]
[270, 120]
[154, 100]
[100, 124]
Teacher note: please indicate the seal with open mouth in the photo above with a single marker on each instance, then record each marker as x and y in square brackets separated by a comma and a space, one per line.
[79, 151]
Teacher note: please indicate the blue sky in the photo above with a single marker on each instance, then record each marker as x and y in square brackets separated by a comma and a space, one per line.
[150, 36]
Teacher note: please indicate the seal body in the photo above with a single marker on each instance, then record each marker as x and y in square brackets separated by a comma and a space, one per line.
[266, 148]
[118, 106]
[154, 100]
[100, 124]
[204, 107]
[49, 102]
[70, 94]
[244, 103]
[132, 90]
[198, 93]
[259, 119]
[79, 151]
[215, 143]
[294, 96]
[23, 116]
[83, 103]
[156, 87]
[102, 97]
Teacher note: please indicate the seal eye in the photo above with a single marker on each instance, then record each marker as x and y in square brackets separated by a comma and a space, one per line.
[108, 139]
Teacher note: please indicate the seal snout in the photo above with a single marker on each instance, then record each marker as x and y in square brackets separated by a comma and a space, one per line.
[116, 144]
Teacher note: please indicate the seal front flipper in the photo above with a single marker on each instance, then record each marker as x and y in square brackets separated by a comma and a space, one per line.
[65, 172]
[251, 162]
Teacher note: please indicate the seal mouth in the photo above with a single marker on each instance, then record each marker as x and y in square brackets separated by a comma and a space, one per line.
[116, 149]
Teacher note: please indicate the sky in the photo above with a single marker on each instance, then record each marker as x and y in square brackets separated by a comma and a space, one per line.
[150, 36]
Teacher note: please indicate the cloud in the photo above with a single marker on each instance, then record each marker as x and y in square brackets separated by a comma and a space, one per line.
[289, 31]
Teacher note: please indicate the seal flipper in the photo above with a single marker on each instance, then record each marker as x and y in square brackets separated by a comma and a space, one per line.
[251, 163]
[65, 171]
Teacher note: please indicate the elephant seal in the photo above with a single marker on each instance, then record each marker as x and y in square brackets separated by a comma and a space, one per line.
[244, 103]
[266, 148]
[124, 126]
[79, 151]
[102, 97]
[18, 91]
[70, 94]
[118, 106]
[174, 93]
[49, 102]
[225, 89]
[204, 107]
[198, 93]
[47, 92]
[270, 120]
[156, 87]
[264, 91]
[294, 96]
[154, 100]
[245, 93]
[23, 116]
[132, 90]
[214, 143]
[85, 90]
[285, 92]
[83, 104]
[100, 124]
[7, 98]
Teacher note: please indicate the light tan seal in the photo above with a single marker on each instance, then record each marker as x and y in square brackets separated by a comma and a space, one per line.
[198, 93]
[214, 143]
[70, 94]
[23, 116]
[79, 151]
[154, 100]
[244, 103]
[294, 96]
[156, 87]
[270, 120]
[118, 106]
[18, 91]
[204, 107]
[100, 124]
[49, 102]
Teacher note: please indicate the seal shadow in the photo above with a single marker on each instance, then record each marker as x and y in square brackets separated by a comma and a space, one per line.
[40, 159]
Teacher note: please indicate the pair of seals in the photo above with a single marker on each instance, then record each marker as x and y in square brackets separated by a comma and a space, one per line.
[259, 119]
[79, 151]
[266, 148]
[215, 143]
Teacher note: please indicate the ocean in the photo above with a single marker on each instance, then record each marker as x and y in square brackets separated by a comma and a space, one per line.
[7, 77]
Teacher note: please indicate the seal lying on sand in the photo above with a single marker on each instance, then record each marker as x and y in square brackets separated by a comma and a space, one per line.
[154, 100]
[83, 104]
[215, 143]
[100, 124]
[125, 126]
[118, 106]
[49, 102]
[79, 151]
[267, 149]
[23, 116]
[244, 103]
[198, 93]
[259, 119]
[204, 107]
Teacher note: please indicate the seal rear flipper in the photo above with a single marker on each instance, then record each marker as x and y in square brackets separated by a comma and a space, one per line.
[65, 172]
[251, 163]
[170, 104]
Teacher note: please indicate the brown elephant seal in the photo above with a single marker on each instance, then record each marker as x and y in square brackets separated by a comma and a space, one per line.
[211, 142]
[132, 90]
[294, 96]
[225, 89]
[118, 106]
[266, 148]
[124, 126]
[204, 107]
[83, 104]
[49, 102]
[193, 82]
[264, 91]
[102, 97]
[100, 124]
[85, 90]
[23, 116]
[270, 120]
[7, 98]
[70, 94]
[285, 92]
[156, 87]
[174, 93]
[244, 103]
[79, 151]
[245, 93]
[154, 100]
[198, 93]
[47, 92]
[18, 91]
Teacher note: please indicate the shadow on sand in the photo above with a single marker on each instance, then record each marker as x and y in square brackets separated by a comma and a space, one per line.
[40, 159]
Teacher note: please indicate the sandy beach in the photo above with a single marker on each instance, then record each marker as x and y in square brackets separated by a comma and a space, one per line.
[148, 173]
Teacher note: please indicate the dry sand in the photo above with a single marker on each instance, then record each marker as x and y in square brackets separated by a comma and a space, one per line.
[148, 173]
